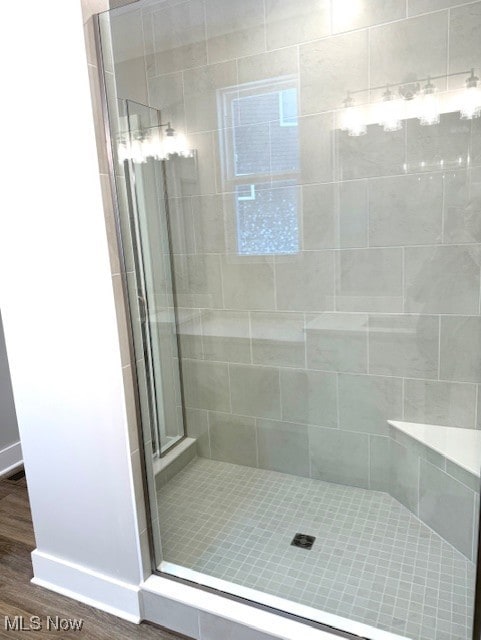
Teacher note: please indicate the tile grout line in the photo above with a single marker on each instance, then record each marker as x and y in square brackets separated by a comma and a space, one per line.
[251, 346]
[333, 34]
[207, 55]
[448, 47]
[439, 348]
[476, 408]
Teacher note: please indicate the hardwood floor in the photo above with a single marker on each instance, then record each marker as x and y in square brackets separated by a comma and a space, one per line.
[18, 597]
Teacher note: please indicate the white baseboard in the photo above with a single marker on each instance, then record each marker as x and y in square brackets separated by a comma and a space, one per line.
[10, 458]
[103, 592]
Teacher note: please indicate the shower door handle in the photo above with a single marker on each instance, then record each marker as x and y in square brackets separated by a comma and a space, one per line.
[142, 309]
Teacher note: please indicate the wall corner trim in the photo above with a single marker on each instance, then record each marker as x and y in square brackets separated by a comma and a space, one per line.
[106, 593]
[10, 458]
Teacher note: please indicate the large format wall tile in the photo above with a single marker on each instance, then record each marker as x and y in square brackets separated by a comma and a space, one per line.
[366, 13]
[330, 68]
[181, 225]
[465, 38]
[130, 78]
[198, 280]
[404, 477]
[378, 153]
[290, 22]
[410, 48]
[197, 426]
[426, 6]
[405, 210]
[233, 438]
[283, 446]
[404, 346]
[444, 403]
[206, 385]
[309, 397]
[461, 349]
[462, 206]
[444, 503]
[209, 224]
[255, 391]
[201, 88]
[234, 29]
[278, 339]
[239, 274]
[305, 281]
[166, 93]
[339, 456]
[226, 336]
[269, 66]
[369, 280]
[379, 467]
[319, 217]
[366, 403]
[353, 214]
[196, 175]
[443, 146]
[316, 144]
[337, 342]
[179, 37]
[189, 333]
[442, 279]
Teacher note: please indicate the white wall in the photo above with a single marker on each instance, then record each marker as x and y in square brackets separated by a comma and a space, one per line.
[58, 311]
[10, 450]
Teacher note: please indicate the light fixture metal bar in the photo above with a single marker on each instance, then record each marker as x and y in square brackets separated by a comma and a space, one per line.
[400, 84]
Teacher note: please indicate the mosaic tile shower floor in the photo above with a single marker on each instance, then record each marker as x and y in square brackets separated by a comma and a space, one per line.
[372, 561]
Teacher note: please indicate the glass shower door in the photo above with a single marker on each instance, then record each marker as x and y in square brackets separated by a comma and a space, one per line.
[150, 231]
[325, 253]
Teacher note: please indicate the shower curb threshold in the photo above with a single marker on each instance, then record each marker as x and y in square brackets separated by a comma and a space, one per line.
[188, 609]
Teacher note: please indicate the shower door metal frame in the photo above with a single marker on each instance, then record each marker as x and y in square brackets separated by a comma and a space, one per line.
[145, 312]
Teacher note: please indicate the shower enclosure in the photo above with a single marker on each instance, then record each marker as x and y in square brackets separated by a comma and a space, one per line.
[299, 203]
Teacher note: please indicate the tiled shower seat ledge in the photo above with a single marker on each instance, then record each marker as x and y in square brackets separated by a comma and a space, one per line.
[461, 448]
[435, 473]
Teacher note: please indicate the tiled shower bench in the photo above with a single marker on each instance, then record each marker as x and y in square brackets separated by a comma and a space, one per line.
[435, 473]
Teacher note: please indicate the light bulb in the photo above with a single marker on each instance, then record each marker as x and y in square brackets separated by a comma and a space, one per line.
[352, 120]
[182, 147]
[123, 151]
[471, 105]
[169, 146]
[137, 151]
[391, 112]
[429, 105]
[152, 145]
[346, 13]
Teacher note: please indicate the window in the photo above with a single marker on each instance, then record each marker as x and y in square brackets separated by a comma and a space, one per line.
[260, 164]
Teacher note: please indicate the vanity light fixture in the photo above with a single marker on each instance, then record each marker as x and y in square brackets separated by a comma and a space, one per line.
[390, 111]
[429, 105]
[471, 105]
[352, 118]
[150, 143]
[411, 100]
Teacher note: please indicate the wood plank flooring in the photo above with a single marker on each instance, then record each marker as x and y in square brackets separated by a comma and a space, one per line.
[18, 597]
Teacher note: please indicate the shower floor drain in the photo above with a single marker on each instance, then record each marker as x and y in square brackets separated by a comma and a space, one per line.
[303, 541]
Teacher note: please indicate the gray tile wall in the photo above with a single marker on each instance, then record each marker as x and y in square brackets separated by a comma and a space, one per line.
[295, 362]
[439, 492]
